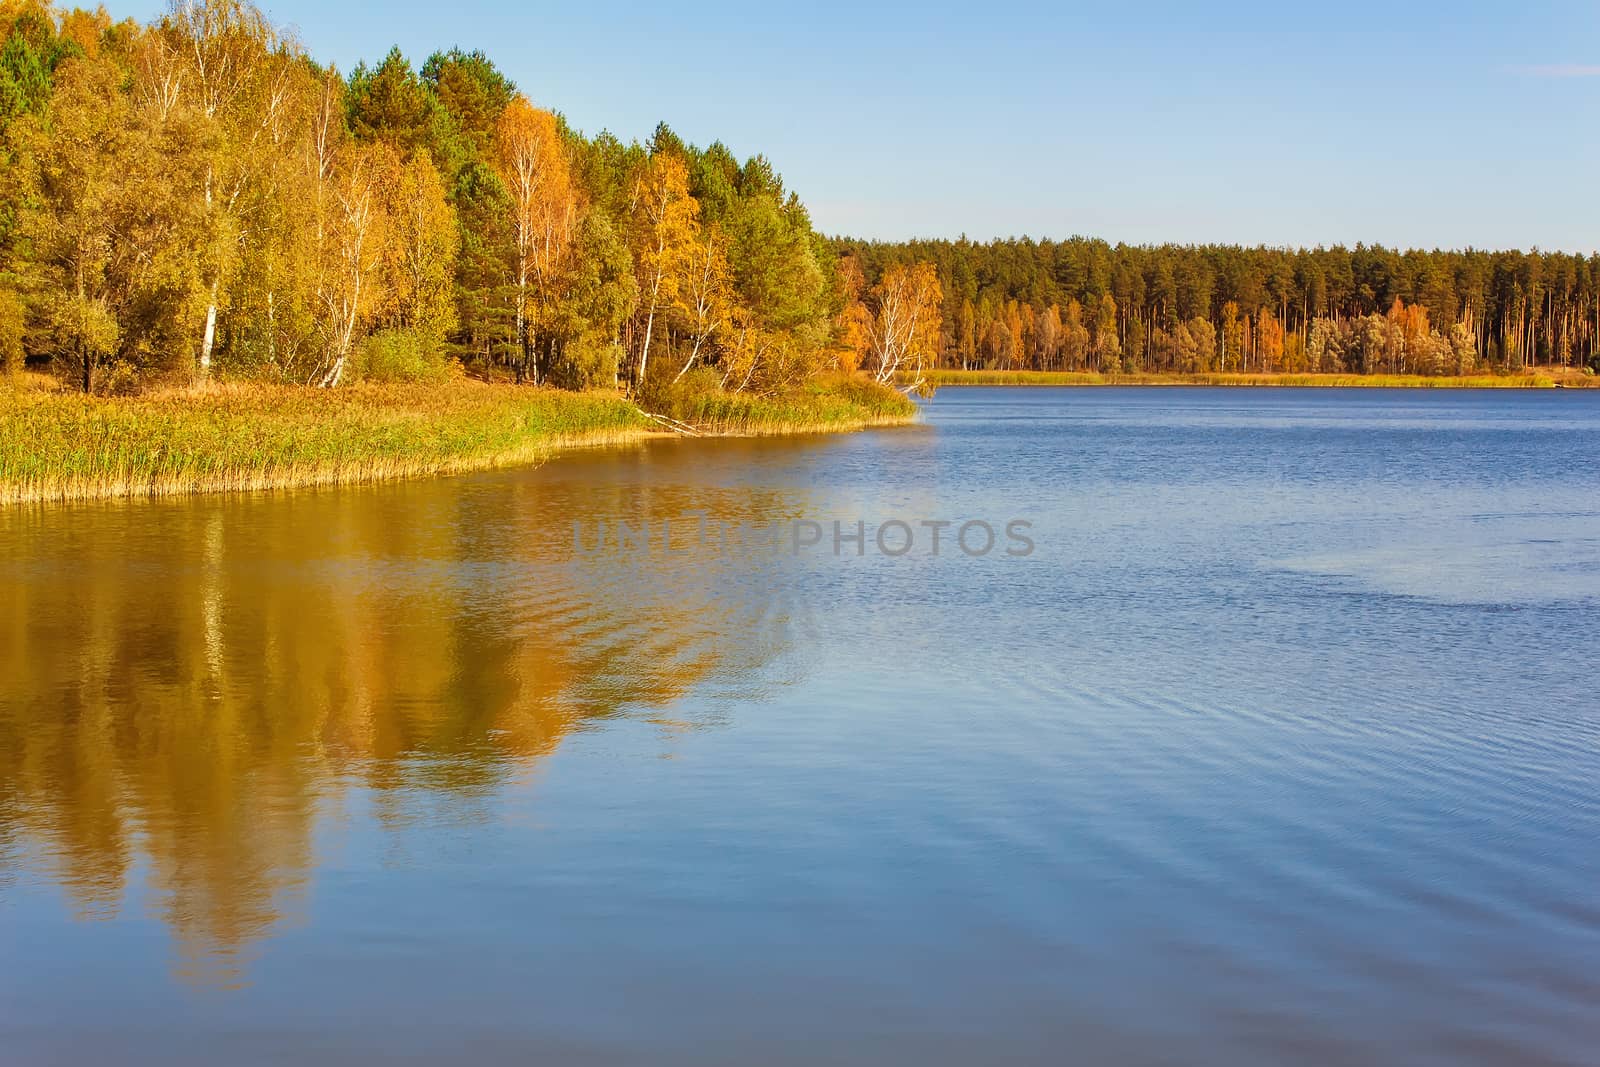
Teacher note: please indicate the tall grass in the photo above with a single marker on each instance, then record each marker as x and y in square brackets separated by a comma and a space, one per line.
[68, 447]
[1389, 381]
[57, 446]
[844, 403]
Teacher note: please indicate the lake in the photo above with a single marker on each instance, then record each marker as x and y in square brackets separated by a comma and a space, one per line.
[1281, 744]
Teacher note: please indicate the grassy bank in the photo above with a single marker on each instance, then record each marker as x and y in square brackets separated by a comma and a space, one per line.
[57, 446]
[1379, 381]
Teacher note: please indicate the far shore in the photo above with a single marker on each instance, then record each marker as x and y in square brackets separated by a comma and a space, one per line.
[1543, 378]
[59, 446]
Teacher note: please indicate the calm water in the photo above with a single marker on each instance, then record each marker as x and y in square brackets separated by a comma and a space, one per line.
[1284, 746]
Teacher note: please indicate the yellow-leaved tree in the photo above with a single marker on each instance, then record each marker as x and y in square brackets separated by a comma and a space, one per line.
[221, 65]
[665, 232]
[421, 255]
[707, 298]
[853, 323]
[79, 207]
[532, 164]
[905, 328]
[354, 231]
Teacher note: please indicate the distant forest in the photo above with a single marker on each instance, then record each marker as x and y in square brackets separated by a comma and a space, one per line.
[1083, 304]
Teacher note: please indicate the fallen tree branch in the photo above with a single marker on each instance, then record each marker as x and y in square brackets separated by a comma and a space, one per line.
[674, 425]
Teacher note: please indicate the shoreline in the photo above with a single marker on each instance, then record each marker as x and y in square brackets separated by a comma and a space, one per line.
[1092, 379]
[58, 448]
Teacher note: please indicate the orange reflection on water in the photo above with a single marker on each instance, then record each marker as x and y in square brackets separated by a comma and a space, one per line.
[191, 687]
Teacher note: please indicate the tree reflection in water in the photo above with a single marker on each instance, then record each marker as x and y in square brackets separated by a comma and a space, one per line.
[193, 686]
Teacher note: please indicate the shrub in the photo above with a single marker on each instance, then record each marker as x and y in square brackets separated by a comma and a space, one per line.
[120, 379]
[11, 327]
[585, 362]
[396, 356]
[664, 392]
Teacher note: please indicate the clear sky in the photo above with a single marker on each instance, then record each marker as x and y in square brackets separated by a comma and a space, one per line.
[1425, 123]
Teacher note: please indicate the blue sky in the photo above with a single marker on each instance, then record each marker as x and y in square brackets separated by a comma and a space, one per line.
[1429, 123]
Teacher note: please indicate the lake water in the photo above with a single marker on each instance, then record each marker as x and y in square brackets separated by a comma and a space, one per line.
[1283, 745]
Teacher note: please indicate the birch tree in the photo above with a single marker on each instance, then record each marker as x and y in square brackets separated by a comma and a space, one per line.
[905, 329]
[352, 251]
[532, 164]
[707, 299]
[665, 228]
[214, 60]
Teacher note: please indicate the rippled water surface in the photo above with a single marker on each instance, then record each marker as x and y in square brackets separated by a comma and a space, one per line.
[1283, 746]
